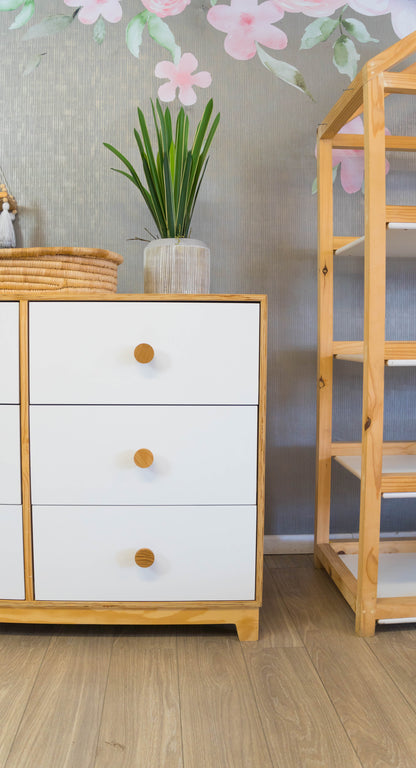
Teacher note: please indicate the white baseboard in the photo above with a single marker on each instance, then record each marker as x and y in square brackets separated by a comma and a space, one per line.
[288, 545]
[303, 544]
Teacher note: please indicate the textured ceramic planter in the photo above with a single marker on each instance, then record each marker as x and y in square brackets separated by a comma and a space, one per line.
[178, 265]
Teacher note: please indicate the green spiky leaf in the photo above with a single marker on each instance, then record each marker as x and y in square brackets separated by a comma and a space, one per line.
[173, 172]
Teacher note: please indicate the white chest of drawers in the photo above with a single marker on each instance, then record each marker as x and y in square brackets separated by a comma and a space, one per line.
[142, 444]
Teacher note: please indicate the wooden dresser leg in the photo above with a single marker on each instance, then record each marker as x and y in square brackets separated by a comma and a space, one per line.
[365, 623]
[248, 625]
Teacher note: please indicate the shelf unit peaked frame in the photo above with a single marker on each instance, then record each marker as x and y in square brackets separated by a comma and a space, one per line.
[361, 586]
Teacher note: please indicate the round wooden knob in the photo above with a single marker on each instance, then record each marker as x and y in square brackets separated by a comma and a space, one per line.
[143, 458]
[144, 558]
[144, 353]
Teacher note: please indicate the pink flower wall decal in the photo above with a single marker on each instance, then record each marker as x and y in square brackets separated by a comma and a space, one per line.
[91, 10]
[352, 160]
[403, 16]
[247, 23]
[180, 76]
[370, 7]
[164, 8]
[313, 8]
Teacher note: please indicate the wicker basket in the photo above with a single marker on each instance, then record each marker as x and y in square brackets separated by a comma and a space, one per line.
[58, 269]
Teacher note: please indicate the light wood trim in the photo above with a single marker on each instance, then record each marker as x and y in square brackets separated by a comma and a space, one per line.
[399, 82]
[25, 454]
[344, 546]
[348, 141]
[350, 104]
[403, 545]
[344, 110]
[393, 143]
[401, 213]
[373, 367]
[348, 348]
[410, 69]
[393, 350]
[395, 607]
[401, 143]
[261, 466]
[391, 56]
[394, 448]
[325, 343]
[399, 482]
[345, 449]
[339, 241]
[245, 619]
[391, 546]
[339, 573]
[184, 297]
[132, 605]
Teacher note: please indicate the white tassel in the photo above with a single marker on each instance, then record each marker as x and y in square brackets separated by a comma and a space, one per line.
[7, 236]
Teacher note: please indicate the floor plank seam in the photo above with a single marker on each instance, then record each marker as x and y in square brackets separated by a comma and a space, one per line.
[326, 692]
[254, 694]
[99, 725]
[179, 697]
[41, 663]
[387, 672]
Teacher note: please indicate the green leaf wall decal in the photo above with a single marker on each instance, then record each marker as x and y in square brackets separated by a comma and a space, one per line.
[33, 64]
[283, 71]
[160, 32]
[10, 5]
[50, 25]
[134, 32]
[99, 31]
[346, 56]
[318, 32]
[358, 30]
[25, 15]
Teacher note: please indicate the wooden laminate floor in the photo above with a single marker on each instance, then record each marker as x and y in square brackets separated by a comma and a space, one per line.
[309, 694]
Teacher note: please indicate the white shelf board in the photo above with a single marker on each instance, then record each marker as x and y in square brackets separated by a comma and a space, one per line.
[398, 463]
[396, 573]
[403, 463]
[396, 363]
[400, 241]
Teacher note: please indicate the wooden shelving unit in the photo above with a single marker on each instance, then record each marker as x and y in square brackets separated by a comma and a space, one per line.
[377, 576]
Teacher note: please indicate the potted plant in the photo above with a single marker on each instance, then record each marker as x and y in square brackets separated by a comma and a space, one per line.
[172, 179]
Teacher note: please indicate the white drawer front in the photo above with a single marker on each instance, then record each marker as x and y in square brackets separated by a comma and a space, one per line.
[83, 352]
[12, 585]
[10, 492]
[88, 553]
[85, 455]
[9, 352]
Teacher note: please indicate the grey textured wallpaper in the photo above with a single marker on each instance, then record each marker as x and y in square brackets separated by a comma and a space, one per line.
[63, 94]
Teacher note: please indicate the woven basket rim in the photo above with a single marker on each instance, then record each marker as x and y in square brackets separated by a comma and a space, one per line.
[39, 252]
